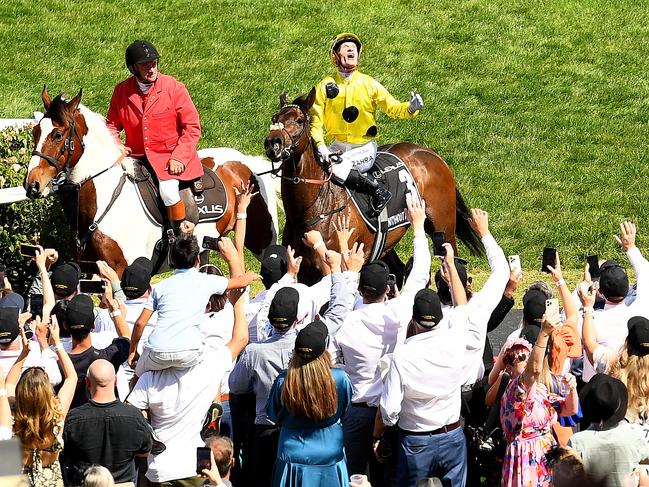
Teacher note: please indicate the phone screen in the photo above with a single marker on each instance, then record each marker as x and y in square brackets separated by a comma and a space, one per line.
[91, 287]
[88, 267]
[36, 305]
[203, 459]
[28, 250]
[439, 239]
[549, 259]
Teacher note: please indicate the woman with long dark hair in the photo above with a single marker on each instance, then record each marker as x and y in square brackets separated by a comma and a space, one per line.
[307, 401]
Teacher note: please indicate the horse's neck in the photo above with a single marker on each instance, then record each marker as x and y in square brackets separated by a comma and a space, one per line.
[305, 199]
[100, 150]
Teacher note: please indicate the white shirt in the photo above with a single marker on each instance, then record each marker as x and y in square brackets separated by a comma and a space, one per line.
[422, 390]
[480, 307]
[177, 401]
[46, 359]
[375, 329]
[610, 323]
[180, 301]
[217, 328]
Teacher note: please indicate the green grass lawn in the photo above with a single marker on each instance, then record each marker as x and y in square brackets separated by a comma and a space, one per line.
[540, 108]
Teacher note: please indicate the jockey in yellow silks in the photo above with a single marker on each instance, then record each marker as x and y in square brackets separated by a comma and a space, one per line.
[343, 114]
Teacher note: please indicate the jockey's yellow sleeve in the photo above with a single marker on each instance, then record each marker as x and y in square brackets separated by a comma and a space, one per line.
[345, 110]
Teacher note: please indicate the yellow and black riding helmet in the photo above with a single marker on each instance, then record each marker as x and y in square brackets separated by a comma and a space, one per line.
[340, 39]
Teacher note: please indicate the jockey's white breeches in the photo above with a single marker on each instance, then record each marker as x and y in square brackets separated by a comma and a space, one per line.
[169, 192]
[354, 156]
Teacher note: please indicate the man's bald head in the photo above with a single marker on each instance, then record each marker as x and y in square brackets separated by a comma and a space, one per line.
[101, 373]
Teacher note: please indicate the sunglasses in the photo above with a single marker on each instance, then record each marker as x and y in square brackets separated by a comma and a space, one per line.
[522, 357]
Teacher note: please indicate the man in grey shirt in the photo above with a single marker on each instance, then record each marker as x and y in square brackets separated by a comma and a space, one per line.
[261, 363]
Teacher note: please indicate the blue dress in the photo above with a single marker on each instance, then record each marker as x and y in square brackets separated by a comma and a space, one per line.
[310, 453]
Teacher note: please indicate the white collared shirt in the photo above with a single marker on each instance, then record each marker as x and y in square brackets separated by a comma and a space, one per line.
[422, 390]
[376, 329]
[480, 307]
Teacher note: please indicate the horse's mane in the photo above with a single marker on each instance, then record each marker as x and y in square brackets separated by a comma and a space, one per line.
[301, 101]
[57, 110]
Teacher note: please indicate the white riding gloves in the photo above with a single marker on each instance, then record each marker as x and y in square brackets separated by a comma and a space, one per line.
[416, 102]
[324, 152]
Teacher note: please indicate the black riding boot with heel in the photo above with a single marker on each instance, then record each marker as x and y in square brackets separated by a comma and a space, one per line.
[359, 182]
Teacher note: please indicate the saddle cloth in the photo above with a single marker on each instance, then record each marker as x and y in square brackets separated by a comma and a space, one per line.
[392, 173]
[212, 203]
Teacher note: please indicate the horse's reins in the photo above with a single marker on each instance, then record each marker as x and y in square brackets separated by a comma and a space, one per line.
[288, 152]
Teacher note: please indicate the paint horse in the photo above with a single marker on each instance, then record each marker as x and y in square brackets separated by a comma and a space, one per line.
[74, 146]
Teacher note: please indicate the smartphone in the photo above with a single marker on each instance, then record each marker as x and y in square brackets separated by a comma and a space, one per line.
[91, 287]
[203, 459]
[88, 267]
[552, 310]
[392, 283]
[549, 259]
[514, 262]
[211, 243]
[36, 305]
[27, 250]
[593, 266]
[439, 239]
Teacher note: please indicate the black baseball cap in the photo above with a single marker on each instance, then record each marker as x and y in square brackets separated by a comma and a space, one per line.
[311, 341]
[80, 313]
[638, 336]
[427, 308]
[274, 264]
[283, 308]
[533, 306]
[613, 280]
[373, 278]
[9, 329]
[136, 278]
[65, 278]
[12, 300]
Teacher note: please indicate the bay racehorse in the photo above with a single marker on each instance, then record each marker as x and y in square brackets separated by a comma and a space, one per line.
[73, 144]
[312, 201]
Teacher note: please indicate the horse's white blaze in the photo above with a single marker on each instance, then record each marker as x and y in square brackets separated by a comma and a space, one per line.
[46, 126]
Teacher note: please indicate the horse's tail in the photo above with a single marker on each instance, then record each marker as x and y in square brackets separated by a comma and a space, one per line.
[463, 228]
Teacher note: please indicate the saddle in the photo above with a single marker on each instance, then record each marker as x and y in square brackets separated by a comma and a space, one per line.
[211, 203]
[393, 174]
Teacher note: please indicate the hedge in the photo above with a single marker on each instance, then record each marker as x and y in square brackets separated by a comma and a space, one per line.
[32, 221]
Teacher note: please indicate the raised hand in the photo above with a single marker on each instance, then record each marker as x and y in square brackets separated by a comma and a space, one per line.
[244, 196]
[355, 258]
[293, 262]
[627, 235]
[416, 211]
[479, 221]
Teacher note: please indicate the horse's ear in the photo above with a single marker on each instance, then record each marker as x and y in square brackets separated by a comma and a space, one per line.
[310, 99]
[45, 96]
[282, 98]
[74, 103]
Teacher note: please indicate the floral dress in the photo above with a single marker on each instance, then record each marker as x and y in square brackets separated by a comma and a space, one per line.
[527, 417]
[49, 475]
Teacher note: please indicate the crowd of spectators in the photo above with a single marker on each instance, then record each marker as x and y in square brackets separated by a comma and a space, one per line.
[351, 381]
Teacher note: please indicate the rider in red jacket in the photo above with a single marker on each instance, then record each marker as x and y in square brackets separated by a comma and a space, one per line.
[161, 123]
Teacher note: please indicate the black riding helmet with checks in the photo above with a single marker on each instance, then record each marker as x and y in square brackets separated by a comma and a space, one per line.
[140, 51]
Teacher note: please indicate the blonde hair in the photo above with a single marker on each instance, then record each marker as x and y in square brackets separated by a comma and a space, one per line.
[309, 389]
[98, 476]
[633, 370]
[38, 410]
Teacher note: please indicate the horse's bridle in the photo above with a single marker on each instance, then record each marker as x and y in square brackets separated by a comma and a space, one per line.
[68, 146]
[288, 153]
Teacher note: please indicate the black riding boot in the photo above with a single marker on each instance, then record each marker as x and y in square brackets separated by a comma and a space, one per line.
[380, 195]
